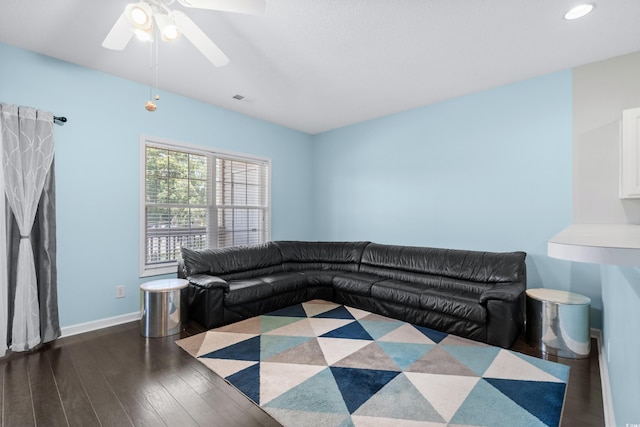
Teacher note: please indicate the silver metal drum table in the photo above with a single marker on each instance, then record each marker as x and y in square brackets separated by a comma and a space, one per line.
[163, 307]
[558, 323]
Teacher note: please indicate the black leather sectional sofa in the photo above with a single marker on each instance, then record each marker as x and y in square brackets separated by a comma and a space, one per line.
[478, 295]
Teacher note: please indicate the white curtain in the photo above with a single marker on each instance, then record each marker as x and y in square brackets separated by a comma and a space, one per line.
[4, 279]
[27, 155]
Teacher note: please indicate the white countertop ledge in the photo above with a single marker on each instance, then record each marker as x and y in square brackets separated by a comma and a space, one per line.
[616, 244]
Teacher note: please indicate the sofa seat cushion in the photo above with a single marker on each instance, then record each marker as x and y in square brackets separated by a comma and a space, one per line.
[320, 277]
[464, 305]
[247, 290]
[355, 283]
[285, 282]
[397, 291]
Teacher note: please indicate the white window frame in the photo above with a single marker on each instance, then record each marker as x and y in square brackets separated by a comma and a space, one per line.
[146, 140]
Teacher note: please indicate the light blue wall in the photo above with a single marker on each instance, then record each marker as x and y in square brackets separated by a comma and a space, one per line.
[621, 329]
[601, 91]
[489, 171]
[97, 170]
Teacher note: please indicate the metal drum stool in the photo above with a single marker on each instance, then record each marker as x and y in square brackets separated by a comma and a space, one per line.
[558, 323]
[162, 306]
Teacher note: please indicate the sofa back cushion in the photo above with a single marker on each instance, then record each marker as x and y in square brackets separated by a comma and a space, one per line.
[394, 262]
[302, 256]
[233, 262]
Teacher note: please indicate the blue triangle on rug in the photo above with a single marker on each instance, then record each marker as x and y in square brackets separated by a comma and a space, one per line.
[404, 354]
[293, 311]
[244, 350]
[487, 406]
[320, 393]
[353, 330]
[476, 358]
[542, 399]
[271, 345]
[401, 400]
[248, 382]
[435, 336]
[358, 385]
[377, 329]
[337, 313]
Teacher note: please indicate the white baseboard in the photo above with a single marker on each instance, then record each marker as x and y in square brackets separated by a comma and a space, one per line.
[80, 328]
[607, 401]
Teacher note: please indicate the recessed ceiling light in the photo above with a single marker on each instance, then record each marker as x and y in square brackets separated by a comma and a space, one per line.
[579, 11]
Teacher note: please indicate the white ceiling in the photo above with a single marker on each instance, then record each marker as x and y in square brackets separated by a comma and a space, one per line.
[316, 65]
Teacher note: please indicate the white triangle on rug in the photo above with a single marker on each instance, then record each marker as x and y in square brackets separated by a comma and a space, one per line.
[226, 367]
[408, 334]
[509, 366]
[192, 344]
[216, 340]
[317, 307]
[336, 349]
[357, 313]
[459, 341]
[445, 392]
[301, 328]
[322, 325]
[273, 383]
[365, 421]
[246, 326]
[290, 417]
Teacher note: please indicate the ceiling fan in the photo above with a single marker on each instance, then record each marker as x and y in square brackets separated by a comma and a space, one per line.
[138, 18]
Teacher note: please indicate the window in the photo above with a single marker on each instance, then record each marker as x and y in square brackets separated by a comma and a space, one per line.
[200, 199]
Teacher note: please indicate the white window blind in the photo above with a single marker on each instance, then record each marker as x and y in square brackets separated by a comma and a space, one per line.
[200, 199]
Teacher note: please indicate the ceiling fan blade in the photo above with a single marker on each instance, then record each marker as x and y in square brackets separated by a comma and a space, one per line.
[120, 34]
[250, 7]
[190, 30]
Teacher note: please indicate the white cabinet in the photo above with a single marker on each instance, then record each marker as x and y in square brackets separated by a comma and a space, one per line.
[630, 154]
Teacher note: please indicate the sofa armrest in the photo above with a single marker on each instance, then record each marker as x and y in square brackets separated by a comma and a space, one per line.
[503, 292]
[505, 312]
[182, 274]
[206, 299]
[207, 281]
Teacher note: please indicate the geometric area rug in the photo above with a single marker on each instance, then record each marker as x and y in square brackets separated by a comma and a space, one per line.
[323, 364]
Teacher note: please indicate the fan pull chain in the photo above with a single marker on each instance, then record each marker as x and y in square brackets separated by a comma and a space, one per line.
[157, 97]
[150, 105]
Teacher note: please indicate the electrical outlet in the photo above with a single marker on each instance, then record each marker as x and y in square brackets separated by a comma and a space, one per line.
[119, 291]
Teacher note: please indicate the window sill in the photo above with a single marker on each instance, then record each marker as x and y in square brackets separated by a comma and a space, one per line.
[159, 271]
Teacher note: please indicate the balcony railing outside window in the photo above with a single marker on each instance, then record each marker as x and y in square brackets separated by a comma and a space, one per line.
[201, 200]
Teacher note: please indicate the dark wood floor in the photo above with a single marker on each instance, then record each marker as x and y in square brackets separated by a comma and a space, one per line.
[114, 377]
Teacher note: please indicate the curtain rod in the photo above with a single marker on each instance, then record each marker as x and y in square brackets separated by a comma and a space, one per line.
[59, 120]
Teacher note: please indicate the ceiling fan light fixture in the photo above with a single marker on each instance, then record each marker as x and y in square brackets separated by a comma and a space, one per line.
[579, 11]
[168, 29]
[139, 15]
[138, 18]
[144, 35]
[170, 33]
